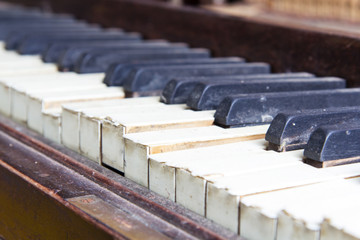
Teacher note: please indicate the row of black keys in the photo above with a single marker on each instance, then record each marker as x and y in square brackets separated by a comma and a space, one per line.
[243, 93]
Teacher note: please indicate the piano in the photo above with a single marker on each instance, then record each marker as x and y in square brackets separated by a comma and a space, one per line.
[184, 155]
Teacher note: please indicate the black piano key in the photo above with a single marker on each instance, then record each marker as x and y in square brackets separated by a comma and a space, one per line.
[333, 145]
[37, 44]
[116, 73]
[153, 79]
[27, 27]
[291, 130]
[15, 38]
[99, 62]
[55, 50]
[261, 108]
[207, 96]
[178, 90]
[86, 55]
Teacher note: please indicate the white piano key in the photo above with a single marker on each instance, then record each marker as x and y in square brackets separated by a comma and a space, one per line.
[231, 155]
[19, 92]
[342, 224]
[162, 172]
[91, 124]
[12, 61]
[237, 187]
[341, 220]
[37, 103]
[191, 180]
[228, 190]
[52, 124]
[138, 122]
[116, 126]
[180, 139]
[259, 213]
[8, 81]
[28, 69]
[301, 218]
[70, 118]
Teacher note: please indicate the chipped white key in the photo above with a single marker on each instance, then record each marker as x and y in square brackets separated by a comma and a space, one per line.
[301, 217]
[180, 139]
[162, 166]
[117, 125]
[259, 213]
[5, 85]
[52, 124]
[234, 188]
[70, 116]
[90, 140]
[28, 80]
[223, 195]
[37, 103]
[19, 92]
[191, 178]
[342, 223]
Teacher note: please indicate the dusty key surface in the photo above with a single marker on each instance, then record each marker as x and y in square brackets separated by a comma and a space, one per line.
[117, 73]
[261, 108]
[207, 96]
[177, 90]
[332, 145]
[291, 130]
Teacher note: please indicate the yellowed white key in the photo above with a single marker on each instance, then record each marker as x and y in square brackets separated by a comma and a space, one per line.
[259, 213]
[191, 179]
[28, 80]
[52, 124]
[39, 102]
[162, 166]
[148, 143]
[13, 56]
[12, 61]
[223, 196]
[301, 217]
[342, 223]
[19, 92]
[28, 69]
[91, 125]
[230, 189]
[70, 116]
[5, 84]
[116, 126]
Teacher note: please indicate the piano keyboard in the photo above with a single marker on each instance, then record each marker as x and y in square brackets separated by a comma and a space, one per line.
[176, 144]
